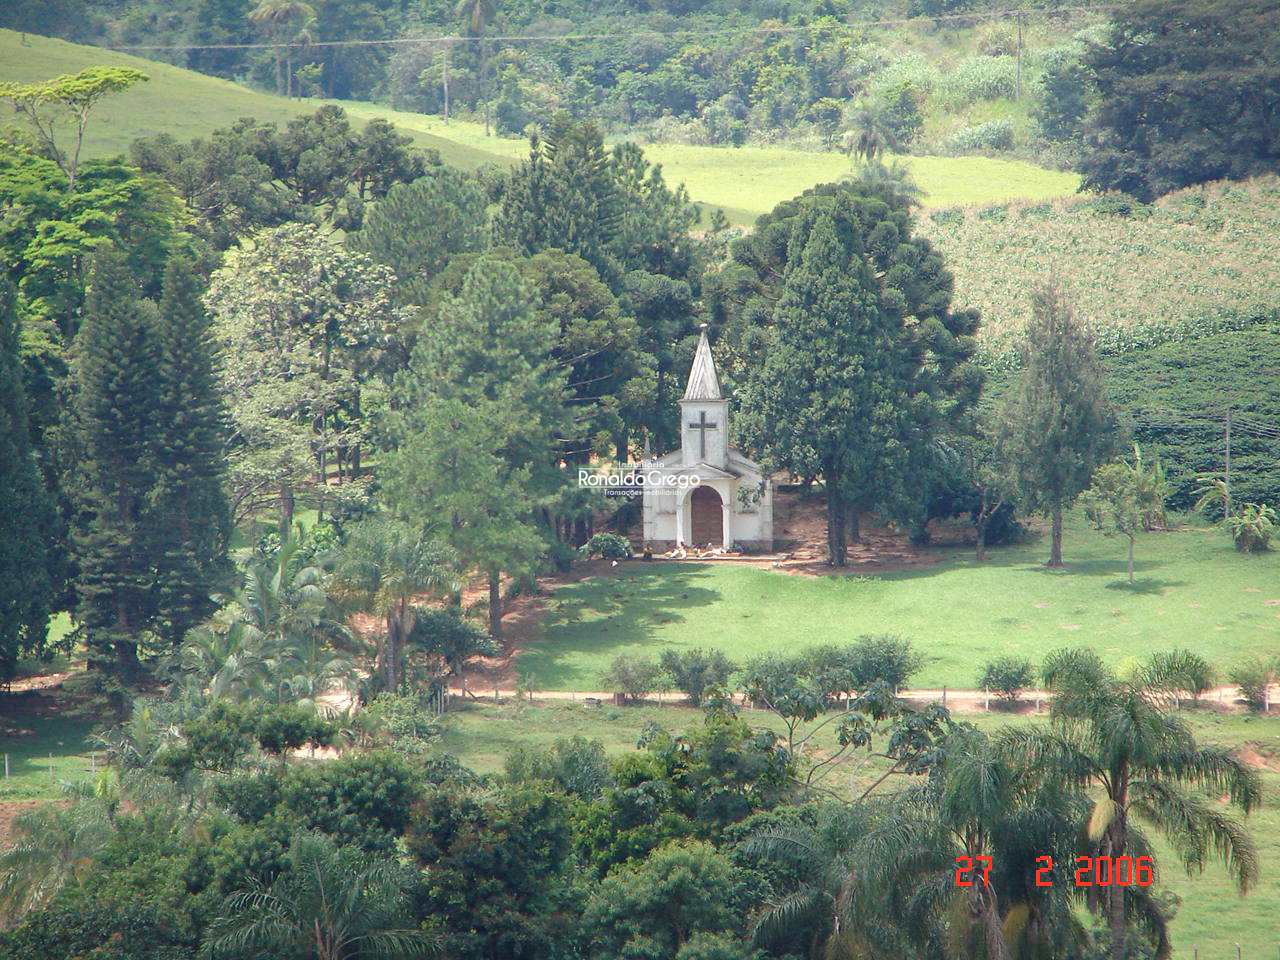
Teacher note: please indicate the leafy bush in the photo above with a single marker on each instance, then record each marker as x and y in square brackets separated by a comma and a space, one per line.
[634, 677]
[992, 135]
[576, 765]
[1008, 676]
[103, 932]
[1252, 527]
[281, 728]
[448, 640]
[884, 659]
[362, 799]
[1253, 678]
[402, 719]
[610, 546]
[695, 671]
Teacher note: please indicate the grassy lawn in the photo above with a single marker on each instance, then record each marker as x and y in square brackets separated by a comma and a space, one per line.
[1193, 590]
[34, 745]
[743, 182]
[1212, 917]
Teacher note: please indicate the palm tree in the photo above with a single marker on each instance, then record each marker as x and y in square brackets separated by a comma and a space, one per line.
[331, 903]
[55, 846]
[1118, 737]
[821, 858]
[383, 567]
[286, 640]
[274, 18]
[984, 804]
[870, 137]
[478, 14]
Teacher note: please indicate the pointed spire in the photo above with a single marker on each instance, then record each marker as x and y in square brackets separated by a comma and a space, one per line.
[703, 383]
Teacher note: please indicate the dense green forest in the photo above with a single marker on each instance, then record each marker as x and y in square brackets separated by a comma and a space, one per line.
[292, 420]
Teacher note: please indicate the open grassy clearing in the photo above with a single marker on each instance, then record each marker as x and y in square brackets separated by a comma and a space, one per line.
[44, 753]
[1212, 917]
[1193, 590]
[744, 182]
[1195, 254]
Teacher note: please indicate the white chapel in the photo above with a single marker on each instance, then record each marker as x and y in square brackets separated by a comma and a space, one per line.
[725, 501]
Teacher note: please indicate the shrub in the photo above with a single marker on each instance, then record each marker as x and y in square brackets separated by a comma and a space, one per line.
[610, 546]
[884, 659]
[404, 720]
[1008, 676]
[695, 671]
[992, 135]
[449, 640]
[634, 677]
[1182, 670]
[576, 765]
[279, 729]
[1253, 678]
[1252, 527]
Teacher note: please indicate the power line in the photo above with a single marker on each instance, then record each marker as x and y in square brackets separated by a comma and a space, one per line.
[572, 37]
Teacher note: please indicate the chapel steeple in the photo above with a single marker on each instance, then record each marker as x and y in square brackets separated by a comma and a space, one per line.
[704, 412]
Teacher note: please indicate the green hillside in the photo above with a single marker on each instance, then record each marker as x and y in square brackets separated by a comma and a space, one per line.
[744, 182]
[175, 101]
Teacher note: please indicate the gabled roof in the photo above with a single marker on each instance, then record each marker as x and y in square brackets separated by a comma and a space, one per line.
[703, 383]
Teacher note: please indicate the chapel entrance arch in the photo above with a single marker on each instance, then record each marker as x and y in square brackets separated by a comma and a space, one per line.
[706, 517]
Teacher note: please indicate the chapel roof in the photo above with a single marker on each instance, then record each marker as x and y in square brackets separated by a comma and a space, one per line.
[703, 383]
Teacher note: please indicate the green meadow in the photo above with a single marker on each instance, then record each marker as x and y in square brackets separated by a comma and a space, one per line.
[744, 182]
[1192, 590]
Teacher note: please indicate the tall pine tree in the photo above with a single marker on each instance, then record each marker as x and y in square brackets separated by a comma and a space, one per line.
[26, 515]
[1058, 422]
[114, 417]
[193, 517]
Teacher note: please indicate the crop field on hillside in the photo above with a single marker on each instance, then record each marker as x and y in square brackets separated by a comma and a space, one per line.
[1195, 255]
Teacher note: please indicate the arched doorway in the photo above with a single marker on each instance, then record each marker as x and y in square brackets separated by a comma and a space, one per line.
[706, 517]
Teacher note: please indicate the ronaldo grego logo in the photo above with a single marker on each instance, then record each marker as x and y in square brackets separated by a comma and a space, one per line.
[632, 479]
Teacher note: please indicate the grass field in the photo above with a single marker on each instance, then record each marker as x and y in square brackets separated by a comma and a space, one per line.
[1193, 589]
[743, 182]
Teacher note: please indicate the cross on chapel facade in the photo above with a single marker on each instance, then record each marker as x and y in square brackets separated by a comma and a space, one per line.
[715, 496]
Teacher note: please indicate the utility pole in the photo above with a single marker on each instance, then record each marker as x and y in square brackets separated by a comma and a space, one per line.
[447, 45]
[1018, 94]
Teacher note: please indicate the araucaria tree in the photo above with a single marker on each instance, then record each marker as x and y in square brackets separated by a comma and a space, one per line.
[112, 418]
[482, 410]
[866, 359]
[26, 517]
[189, 440]
[1059, 423]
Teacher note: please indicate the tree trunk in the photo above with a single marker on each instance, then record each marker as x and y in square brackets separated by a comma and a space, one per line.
[980, 543]
[286, 510]
[855, 524]
[991, 926]
[279, 72]
[495, 605]
[1131, 560]
[837, 554]
[1055, 539]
